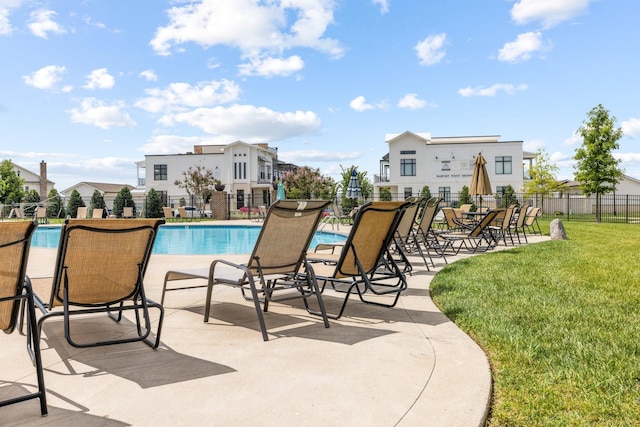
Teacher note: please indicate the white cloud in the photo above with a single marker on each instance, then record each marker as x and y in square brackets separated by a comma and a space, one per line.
[269, 67]
[522, 48]
[631, 127]
[45, 77]
[100, 79]
[42, 23]
[384, 5]
[149, 75]
[303, 156]
[548, 12]
[97, 113]
[249, 123]
[533, 145]
[223, 22]
[412, 102]
[170, 144]
[359, 103]
[509, 89]
[181, 96]
[573, 140]
[430, 50]
[5, 10]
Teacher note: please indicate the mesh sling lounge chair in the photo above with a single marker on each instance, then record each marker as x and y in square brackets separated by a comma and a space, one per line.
[425, 235]
[168, 213]
[97, 213]
[405, 241]
[15, 289]
[471, 240]
[100, 268]
[277, 269]
[365, 264]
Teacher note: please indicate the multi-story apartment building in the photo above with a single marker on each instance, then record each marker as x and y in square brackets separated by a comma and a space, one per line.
[445, 164]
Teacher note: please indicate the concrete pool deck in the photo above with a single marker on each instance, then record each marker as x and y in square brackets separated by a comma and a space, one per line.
[405, 366]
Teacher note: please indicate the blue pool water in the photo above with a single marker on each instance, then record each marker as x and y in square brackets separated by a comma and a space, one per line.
[193, 239]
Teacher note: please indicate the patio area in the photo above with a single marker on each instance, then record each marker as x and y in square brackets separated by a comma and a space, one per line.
[408, 365]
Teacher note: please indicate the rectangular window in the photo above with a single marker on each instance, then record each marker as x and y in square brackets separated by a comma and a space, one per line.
[408, 152]
[503, 165]
[163, 197]
[244, 170]
[444, 193]
[408, 192]
[240, 199]
[501, 189]
[265, 197]
[407, 167]
[160, 172]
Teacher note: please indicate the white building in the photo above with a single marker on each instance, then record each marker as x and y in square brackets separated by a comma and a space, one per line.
[33, 181]
[106, 190]
[246, 170]
[445, 164]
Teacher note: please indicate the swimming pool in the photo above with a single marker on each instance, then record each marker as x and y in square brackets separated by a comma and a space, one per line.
[193, 239]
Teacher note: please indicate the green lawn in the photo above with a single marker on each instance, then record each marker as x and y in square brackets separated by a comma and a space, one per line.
[560, 323]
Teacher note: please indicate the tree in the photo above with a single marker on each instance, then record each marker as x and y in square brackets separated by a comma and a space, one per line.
[542, 175]
[55, 209]
[464, 197]
[97, 202]
[308, 183]
[11, 185]
[508, 197]
[425, 192]
[385, 194]
[32, 198]
[198, 182]
[75, 201]
[122, 199]
[154, 205]
[596, 168]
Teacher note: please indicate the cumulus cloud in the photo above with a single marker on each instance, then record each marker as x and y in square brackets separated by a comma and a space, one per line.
[533, 145]
[249, 123]
[573, 140]
[170, 144]
[182, 96]
[149, 75]
[412, 102]
[223, 22]
[359, 103]
[6, 6]
[45, 77]
[303, 156]
[269, 67]
[100, 79]
[431, 50]
[384, 5]
[631, 127]
[548, 12]
[96, 113]
[509, 89]
[42, 23]
[522, 48]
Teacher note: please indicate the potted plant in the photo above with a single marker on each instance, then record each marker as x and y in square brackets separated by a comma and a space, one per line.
[219, 186]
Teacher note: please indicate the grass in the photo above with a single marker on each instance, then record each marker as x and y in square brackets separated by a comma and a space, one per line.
[559, 322]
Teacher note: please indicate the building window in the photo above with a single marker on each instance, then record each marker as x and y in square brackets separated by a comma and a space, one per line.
[503, 165]
[408, 192]
[501, 189]
[265, 197]
[407, 167]
[408, 152]
[244, 170]
[444, 193]
[160, 172]
[163, 197]
[240, 199]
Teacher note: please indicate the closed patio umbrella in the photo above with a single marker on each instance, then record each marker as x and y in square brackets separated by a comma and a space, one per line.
[480, 184]
[353, 189]
[280, 195]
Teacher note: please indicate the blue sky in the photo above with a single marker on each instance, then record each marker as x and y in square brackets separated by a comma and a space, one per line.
[92, 86]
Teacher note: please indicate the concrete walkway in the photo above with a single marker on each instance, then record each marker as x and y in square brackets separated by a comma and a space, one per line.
[404, 366]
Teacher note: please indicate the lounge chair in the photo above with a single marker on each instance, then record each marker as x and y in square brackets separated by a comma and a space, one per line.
[277, 269]
[502, 229]
[365, 264]
[182, 213]
[425, 235]
[97, 213]
[471, 240]
[168, 213]
[41, 215]
[100, 268]
[405, 241]
[17, 213]
[531, 221]
[16, 291]
[81, 213]
[127, 212]
[518, 223]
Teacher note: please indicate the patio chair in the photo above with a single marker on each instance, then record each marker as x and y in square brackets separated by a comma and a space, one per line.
[97, 213]
[168, 213]
[471, 240]
[502, 230]
[16, 291]
[277, 269]
[183, 214]
[17, 213]
[531, 221]
[365, 264]
[127, 212]
[425, 235]
[404, 240]
[41, 215]
[518, 223]
[81, 213]
[100, 268]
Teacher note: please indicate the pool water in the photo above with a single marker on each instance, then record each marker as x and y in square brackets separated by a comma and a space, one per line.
[193, 239]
